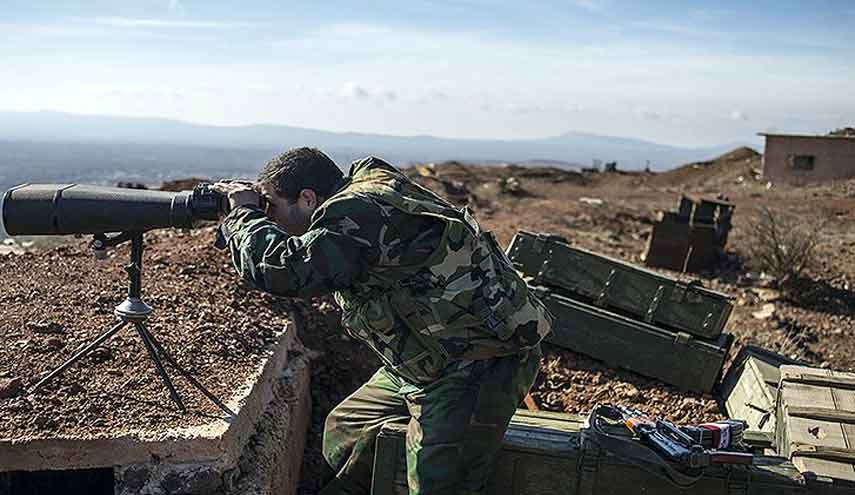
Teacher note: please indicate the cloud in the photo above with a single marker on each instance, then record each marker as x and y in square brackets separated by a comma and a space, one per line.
[710, 13]
[591, 5]
[648, 114]
[356, 91]
[522, 108]
[433, 96]
[739, 115]
[137, 23]
[176, 7]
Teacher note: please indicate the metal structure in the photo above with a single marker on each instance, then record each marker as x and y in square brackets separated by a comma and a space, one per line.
[133, 311]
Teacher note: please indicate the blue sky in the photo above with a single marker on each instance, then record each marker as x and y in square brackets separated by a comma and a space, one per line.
[685, 73]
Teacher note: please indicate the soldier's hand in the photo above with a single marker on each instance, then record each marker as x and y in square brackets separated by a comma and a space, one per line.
[239, 194]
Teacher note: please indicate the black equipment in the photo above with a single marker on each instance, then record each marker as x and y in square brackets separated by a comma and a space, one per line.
[56, 209]
[52, 209]
[675, 453]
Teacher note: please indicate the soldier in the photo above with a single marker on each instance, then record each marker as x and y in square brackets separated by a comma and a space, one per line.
[422, 285]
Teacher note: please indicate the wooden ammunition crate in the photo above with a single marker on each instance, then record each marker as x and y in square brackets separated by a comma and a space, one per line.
[543, 455]
[620, 287]
[816, 422]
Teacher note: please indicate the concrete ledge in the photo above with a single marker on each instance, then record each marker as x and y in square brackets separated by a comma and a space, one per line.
[221, 440]
[270, 461]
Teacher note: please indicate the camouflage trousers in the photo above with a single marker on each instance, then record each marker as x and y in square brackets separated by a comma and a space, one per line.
[455, 425]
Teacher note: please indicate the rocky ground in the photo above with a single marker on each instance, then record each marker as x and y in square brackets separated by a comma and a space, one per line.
[607, 213]
[54, 302]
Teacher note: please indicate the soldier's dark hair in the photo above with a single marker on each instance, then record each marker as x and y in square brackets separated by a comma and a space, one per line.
[301, 168]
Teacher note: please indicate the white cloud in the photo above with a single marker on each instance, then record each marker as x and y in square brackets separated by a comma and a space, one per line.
[442, 82]
[738, 115]
[176, 7]
[710, 13]
[354, 90]
[591, 5]
[433, 96]
[523, 108]
[357, 91]
[648, 114]
[137, 23]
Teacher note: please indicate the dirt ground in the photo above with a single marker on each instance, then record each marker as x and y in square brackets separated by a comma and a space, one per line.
[607, 213]
[55, 301]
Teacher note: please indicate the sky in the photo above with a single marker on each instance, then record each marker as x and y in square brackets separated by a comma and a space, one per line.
[675, 72]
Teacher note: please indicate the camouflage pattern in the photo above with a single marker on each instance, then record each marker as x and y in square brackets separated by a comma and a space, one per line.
[455, 425]
[448, 294]
[433, 295]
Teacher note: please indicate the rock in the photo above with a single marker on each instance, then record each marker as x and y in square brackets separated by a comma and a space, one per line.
[10, 387]
[101, 354]
[45, 327]
[591, 201]
[632, 393]
[767, 295]
[54, 343]
[766, 312]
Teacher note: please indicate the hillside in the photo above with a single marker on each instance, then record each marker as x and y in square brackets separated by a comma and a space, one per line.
[47, 130]
[722, 171]
[610, 213]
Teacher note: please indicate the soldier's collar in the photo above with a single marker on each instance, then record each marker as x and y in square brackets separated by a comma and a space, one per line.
[344, 182]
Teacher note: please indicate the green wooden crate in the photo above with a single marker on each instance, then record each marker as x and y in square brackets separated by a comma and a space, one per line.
[673, 357]
[620, 287]
[543, 455]
[750, 387]
[816, 422]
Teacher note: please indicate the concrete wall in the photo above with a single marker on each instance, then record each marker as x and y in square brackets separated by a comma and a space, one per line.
[834, 158]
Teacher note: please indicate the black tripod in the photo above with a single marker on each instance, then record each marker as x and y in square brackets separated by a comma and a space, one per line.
[134, 311]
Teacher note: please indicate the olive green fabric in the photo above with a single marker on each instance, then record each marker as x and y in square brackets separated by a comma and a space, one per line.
[455, 425]
[433, 295]
[419, 309]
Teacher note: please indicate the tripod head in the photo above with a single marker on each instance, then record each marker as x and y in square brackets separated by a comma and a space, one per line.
[132, 308]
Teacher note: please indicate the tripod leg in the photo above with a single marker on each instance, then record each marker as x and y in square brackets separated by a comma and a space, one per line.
[186, 374]
[159, 365]
[80, 354]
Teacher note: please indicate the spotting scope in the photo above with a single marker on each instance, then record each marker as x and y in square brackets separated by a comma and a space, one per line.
[56, 209]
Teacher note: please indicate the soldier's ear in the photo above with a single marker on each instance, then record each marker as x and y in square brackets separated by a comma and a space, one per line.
[309, 198]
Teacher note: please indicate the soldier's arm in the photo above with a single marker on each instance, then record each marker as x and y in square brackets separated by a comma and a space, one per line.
[320, 261]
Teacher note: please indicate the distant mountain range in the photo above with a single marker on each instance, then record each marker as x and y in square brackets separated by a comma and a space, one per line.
[569, 149]
[51, 147]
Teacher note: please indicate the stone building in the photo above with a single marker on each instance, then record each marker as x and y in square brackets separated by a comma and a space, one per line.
[798, 159]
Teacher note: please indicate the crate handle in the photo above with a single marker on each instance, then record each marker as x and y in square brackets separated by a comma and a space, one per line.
[603, 293]
[654, 304]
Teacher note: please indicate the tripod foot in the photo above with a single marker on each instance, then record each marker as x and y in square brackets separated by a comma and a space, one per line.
[79, 355]
[190, 378]
[161, 371]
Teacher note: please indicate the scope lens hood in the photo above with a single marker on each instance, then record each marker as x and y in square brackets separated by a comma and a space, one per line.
[58, 209]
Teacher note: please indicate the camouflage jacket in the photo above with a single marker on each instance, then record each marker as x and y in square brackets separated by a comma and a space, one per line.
[416, 278]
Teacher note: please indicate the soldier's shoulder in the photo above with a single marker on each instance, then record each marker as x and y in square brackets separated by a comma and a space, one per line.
[346, 204]
[371, 162]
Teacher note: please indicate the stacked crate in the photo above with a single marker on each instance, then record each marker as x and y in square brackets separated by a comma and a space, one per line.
[627, 316]
[692, 238]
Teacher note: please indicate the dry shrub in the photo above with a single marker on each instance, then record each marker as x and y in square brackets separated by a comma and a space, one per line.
[784, 245]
